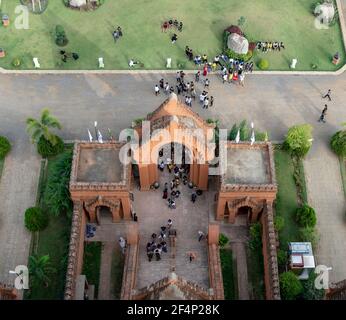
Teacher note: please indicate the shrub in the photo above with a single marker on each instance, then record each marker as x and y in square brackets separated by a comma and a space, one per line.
[279, 223]
[299, 140]
[338, 143]
[233, 132]
[35, 219]
[16, 62]
[57, 195]
[5, 147]
[236, 56]
[290, 286]
[244, 131]
[60, 36]
[223, 240]
[255, 242]
[306, 216]
[309, 234]
[310, 291]
[46, 149]
[282, 258]
[261, 136]
[263, 64]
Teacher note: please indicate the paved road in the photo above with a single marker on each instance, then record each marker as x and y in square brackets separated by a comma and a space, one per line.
[274, 103]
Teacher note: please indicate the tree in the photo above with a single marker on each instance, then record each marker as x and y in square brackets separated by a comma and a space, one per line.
[338, 142]
[306, 216]
[60, 36]
[41, 128]
[279, 223]
[309, 234]
[290, 286]
[5, 147]
[35, 219]
[57, 195]
[299, 140]
[40, 270]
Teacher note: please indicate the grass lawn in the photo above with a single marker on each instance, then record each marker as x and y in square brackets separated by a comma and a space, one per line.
[229, 273]
[286, 199]
[255, 274]
[89, 33]
[92, 263]
[117, 273]
[53, 240]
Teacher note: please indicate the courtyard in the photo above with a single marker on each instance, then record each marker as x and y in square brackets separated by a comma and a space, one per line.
[90, 34]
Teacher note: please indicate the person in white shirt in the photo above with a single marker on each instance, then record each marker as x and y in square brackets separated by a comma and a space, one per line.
[157, 90]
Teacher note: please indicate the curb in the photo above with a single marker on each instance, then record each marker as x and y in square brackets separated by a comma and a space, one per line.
[134, 72]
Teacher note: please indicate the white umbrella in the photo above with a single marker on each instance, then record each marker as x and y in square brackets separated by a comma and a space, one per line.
[90, 136]
[99, 138]
[237, 138]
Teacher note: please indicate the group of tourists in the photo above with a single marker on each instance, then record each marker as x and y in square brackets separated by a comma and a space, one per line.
[158, 244]
[117, 33]
[172, 24]
[179, 176]
[269, 46]
[204, 99]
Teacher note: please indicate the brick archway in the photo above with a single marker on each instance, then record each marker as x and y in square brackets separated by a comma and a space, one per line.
[112, 204]
[234, 206]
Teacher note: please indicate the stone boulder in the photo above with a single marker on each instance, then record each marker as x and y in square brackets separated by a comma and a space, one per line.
[238, 43]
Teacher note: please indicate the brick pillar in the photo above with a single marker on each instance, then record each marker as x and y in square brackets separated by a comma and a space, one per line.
[116, 214]
[203, 175]
[220, 208]
[232, 215]
[126, 204]
[144, 177]
[132, 233]
[213, 233]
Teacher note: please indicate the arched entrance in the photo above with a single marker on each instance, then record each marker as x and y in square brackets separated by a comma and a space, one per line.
[103, 215]
[243, 215]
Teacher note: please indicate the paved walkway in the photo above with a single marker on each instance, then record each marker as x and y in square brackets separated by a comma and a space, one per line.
[187, 219]
[18, 188]
[108, 250]
[325, 194]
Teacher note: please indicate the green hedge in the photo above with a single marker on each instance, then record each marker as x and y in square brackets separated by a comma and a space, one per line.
[35, 219]
[306, 216]
[338, 143]
[5, 147]
[46, 149]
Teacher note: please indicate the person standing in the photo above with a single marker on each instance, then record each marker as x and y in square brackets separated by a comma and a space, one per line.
[174, 38]
[157, 90]
[162, 83]
[167, 87]
[122, 244]
[323, 114]
[206, 83]
[197, 75]
[193, 197]
[205, 103]
[211, 101]
[241, 78]
[224, 77]
[201, 235]
[205, 70]
[328, 95]
[169, 223]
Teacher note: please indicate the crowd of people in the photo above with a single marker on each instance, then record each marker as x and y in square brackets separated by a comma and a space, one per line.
[158, 244]
[269, 46]
[172, 24]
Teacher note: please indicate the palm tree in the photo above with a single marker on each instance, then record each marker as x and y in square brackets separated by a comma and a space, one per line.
[41, 128]
[40, 270]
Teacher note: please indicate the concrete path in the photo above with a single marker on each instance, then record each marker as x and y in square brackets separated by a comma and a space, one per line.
[326, 195]
[239, 251]
[108, 249]
[18, 186]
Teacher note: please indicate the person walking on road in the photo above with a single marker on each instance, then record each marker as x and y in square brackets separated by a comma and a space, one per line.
[328, 95]
[323, 114]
